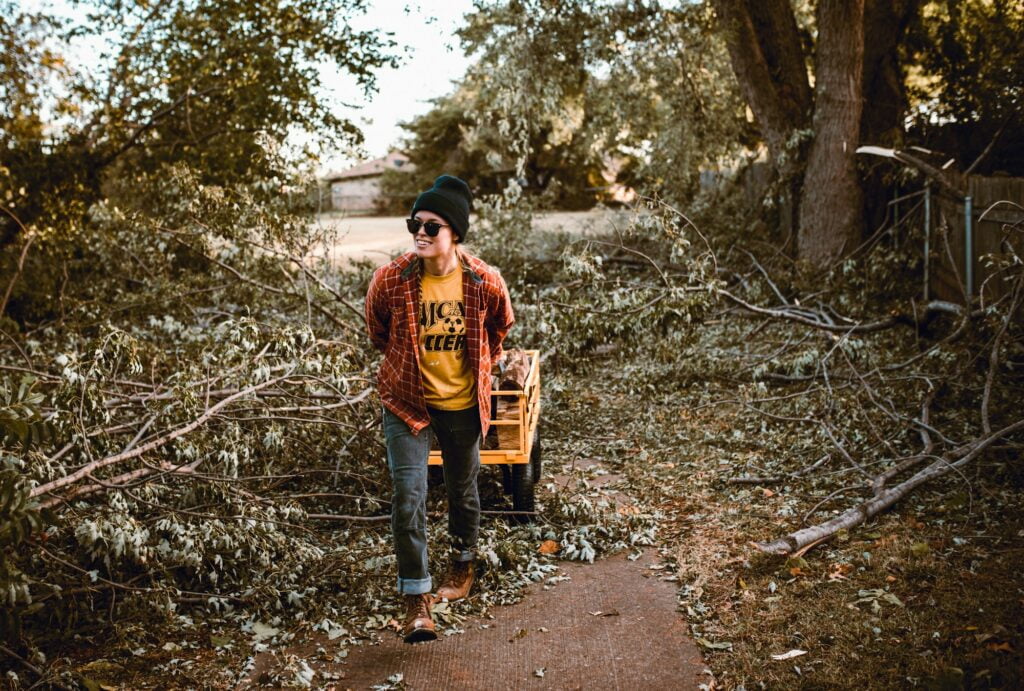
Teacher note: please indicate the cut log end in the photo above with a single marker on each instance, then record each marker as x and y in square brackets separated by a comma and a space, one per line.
[515, 371]
[781, 547]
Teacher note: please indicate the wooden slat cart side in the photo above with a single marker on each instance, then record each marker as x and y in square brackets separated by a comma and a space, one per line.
[514, 440]
[516, 421]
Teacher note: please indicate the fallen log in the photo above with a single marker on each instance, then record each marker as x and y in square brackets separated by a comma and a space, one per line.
[515, 370]
[860, 513]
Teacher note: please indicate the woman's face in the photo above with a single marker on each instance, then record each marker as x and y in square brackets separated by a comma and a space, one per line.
[427, 247]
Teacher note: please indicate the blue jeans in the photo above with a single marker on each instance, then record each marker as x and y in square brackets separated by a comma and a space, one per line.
[458, 435]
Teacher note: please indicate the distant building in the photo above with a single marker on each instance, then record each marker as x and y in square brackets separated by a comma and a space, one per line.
[357, 190]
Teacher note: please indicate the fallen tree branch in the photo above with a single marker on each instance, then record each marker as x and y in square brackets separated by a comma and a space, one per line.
[122, 481]
[932, 308]
[93, 466]
[856, 515]
[43, 678]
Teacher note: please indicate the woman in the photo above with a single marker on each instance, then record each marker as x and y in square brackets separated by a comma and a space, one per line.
[439, 315]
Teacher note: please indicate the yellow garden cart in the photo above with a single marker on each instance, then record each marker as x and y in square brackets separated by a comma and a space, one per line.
[514, 441]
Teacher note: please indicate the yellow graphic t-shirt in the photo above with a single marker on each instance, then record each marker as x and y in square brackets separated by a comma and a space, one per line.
[448, 382]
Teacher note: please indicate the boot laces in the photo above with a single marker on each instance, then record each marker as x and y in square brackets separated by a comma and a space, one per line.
[419, 607]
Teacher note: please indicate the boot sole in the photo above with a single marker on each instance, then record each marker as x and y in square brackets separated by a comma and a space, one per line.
[420, 635]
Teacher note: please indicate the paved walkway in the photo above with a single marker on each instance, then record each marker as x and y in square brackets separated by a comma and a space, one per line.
[613, 626]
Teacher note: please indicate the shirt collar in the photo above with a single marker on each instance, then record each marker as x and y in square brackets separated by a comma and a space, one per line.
[415, 268]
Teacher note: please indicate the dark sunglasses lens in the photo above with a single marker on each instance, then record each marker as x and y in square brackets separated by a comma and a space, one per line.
[432, 228]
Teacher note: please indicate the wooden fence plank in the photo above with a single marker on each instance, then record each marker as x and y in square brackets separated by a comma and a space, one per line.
[992, 227]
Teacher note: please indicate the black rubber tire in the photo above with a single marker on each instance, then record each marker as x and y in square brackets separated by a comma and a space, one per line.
[522, 491]
[506, 478]
[535, 460]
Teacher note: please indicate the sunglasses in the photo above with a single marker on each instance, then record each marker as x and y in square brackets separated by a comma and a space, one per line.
[431, 228]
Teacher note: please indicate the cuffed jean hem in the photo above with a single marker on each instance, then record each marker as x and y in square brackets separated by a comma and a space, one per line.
[414, 586]
[458, 435]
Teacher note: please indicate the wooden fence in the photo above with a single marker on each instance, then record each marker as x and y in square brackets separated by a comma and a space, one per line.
[966, 235]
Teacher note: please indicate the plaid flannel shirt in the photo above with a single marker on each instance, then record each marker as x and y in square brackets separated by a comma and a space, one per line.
[391, 320]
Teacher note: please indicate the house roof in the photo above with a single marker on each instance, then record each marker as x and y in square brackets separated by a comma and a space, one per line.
[377, 166]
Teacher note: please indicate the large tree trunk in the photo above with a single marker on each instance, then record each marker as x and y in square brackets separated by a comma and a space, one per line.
[768, 60]
[885, 24]
[830, 206]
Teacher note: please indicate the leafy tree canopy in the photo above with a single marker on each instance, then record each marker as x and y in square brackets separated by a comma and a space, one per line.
[218, 87]
[966, 81]
[566, 91]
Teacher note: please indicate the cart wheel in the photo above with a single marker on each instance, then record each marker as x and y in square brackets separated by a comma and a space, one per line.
[506, 478]
[535, 460]
[522, 490]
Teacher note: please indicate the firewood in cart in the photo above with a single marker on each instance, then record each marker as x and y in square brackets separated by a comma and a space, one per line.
[517, 368]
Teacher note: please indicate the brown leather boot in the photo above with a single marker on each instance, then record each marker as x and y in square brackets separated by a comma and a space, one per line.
[418, 624]
[456, 583]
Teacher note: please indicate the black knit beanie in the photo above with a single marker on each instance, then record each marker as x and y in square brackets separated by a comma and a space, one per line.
[450, 199]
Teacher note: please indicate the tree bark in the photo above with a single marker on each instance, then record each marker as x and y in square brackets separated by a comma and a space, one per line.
[885, 24]
[768, 60]
[830, 204]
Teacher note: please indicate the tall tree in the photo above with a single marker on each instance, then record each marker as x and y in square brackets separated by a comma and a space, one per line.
[812, 135]
[219, 86]
[641, 84]
[770, 65]
[830, 206]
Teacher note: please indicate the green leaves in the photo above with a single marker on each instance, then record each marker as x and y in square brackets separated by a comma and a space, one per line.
[20, 423]
[581, 90]
[19, 516]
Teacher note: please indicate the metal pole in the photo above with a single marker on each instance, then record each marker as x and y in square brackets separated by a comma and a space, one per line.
[927, 236]
[968, 248]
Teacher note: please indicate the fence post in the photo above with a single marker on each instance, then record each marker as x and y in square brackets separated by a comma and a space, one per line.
[968, 248]
[927, 236]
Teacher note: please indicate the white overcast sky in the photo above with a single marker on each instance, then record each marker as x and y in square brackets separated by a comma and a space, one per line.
[431, 61]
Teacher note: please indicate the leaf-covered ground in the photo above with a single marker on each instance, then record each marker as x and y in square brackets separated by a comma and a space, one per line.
[928, 595]
[179, 583]
[351, 587]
